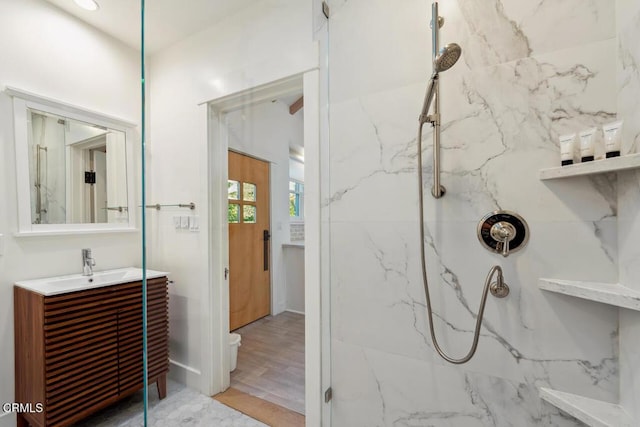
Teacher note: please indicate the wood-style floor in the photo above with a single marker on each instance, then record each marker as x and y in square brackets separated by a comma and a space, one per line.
[259, 409]
[271, 360]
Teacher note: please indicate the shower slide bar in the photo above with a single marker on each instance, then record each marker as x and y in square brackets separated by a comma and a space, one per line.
[437, 21]
[443, 59]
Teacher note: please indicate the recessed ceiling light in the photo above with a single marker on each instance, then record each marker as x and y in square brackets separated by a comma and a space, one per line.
[87, 4]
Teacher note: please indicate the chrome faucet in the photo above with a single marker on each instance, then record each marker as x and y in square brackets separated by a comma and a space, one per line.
[87, 262]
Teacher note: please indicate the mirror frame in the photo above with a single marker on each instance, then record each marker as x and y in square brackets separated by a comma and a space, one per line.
[23, 100]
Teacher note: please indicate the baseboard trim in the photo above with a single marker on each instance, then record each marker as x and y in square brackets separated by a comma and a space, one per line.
[294, 311]
[187, 375]
[185, 367]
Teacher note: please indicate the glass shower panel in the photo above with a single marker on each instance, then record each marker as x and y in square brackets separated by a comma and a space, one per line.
[195, 82]
[221, 77]
[67, 64]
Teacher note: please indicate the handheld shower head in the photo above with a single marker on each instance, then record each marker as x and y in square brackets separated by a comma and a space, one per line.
[428, 98]
[446, 59]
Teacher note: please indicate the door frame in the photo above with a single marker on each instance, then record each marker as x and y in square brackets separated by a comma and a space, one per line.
[216, 315]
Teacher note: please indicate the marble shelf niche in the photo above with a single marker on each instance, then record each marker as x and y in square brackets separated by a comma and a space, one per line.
[607, 293]
[613, 164]
[594, 413]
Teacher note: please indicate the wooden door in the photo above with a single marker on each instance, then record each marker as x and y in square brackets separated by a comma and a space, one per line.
[249, 249]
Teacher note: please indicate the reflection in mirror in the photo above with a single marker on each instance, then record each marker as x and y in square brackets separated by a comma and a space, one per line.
[77, 171]
[73, 167]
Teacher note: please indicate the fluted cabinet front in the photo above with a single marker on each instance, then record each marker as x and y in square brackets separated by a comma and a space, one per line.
[79, 352]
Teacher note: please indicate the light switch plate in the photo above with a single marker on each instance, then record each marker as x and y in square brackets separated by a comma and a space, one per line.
[184, 222]
[176, 222]
[194, 223]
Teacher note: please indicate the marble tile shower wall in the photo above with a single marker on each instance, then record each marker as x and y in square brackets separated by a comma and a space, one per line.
[529, 72]
[628, 12]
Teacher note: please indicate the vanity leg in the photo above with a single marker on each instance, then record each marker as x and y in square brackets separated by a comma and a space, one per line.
[161, 383]
[22, 421]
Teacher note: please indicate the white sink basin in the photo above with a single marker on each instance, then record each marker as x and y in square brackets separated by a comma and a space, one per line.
[77, 282]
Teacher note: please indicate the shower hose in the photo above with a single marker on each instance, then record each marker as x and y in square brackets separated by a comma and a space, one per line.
[487, 283]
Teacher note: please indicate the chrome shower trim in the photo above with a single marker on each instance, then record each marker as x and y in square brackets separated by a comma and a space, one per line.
[442, 61]
[435, 33]
[428, 98]
[436, 190]
[499, 289]
[501, 228]
[447, 57]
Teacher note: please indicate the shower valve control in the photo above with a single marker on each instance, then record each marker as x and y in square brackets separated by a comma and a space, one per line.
[503, 232]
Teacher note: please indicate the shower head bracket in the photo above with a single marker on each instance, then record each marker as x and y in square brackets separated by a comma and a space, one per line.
[437, 195]
[440, 22]
[433, 118]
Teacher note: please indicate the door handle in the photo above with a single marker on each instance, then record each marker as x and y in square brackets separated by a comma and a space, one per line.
[265, 238]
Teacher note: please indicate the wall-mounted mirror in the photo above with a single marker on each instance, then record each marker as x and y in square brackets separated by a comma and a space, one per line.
[72, 167]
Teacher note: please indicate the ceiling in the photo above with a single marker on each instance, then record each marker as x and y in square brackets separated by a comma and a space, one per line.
[166, 21]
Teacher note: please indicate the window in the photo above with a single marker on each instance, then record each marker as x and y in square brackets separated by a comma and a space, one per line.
[234, 213]
[233, 189]
[248, 192]
[249, 212]
[242, 205]
[296, 199]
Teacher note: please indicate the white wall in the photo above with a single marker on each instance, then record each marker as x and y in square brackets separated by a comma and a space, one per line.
[99, 74]
[266, 42]
[296, 170]
[266, 131]
[527, 74]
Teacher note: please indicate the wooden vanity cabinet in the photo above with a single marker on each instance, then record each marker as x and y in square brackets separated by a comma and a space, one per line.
[79, 352]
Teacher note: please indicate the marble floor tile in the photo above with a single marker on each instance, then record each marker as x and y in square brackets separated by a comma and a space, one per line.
[181, 407]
